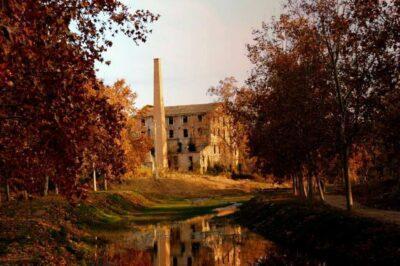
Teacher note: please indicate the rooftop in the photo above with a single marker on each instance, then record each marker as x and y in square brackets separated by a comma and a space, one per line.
[183, 109]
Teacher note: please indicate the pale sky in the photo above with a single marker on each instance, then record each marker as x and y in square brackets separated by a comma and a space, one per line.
[199, 42]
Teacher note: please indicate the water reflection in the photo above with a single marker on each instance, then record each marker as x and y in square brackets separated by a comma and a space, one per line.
[197, 241]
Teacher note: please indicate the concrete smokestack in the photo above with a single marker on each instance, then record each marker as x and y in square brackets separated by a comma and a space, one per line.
[160, 135]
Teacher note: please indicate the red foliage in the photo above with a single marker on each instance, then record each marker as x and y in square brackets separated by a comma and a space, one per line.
[49, 121]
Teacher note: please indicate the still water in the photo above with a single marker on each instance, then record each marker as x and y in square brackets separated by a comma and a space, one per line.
[203, 240]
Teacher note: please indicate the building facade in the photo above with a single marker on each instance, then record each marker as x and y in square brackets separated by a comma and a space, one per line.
[198, 137]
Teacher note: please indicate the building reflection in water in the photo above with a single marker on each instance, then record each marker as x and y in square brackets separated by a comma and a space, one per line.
[197, 241]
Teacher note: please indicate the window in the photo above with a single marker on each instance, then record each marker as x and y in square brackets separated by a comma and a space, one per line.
[185, 119]
[183, 248]
[170, 120]
[179, 147]
[215, 149]
[143, 122]
[185, 133]
[171, 134]
[148, 132]
[200, 118]
[192, 147]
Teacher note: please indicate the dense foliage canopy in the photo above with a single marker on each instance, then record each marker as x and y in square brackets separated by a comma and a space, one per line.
[324, 88]
[54, 120]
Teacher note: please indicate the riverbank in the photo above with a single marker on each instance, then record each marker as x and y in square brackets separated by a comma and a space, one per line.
[51, 230]
[330, 234]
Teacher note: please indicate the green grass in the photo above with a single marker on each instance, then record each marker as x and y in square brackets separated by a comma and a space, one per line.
[113, 211]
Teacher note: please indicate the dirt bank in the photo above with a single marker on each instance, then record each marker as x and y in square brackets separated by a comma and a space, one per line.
[332, 235]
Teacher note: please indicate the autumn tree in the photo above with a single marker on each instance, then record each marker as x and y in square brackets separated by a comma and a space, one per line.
[49, 121]
[356, 49]
[135, 144]
[322, 76]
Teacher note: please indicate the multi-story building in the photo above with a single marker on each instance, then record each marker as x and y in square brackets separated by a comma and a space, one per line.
[198, 137]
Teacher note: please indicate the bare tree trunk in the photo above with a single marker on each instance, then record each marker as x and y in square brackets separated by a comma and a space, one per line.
[94, 180]
[105, 182]
[56, 189]
[320, 188]
[342, 104]
[46, 186]
[8, 192]
[302, 189]
[295, 187]
[346, 178]
[25, 194]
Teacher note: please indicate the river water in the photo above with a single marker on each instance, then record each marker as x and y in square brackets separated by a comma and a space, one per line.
[203, 240]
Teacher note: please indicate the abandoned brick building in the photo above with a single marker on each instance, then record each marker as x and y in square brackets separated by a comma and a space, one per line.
[198, 137]
[188, 137]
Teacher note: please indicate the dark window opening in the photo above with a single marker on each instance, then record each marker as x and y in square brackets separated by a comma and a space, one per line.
[189, 261]
[149, 132]
[185, 119]
[185, 133]
[143, 122]
[179, 147]
[192, 147]
[183, 248]
[175, 262]
[171, 134]
[195, 248]
[153, 151]
[200, 118]
[170, 120]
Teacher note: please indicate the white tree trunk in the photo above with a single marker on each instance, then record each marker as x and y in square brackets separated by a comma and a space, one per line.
[295, 190]
[46, 186]
[105, 182]
[320, 189]
[8, 192]
[94, 180]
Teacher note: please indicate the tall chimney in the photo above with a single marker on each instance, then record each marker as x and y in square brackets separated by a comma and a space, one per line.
[160, 135]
